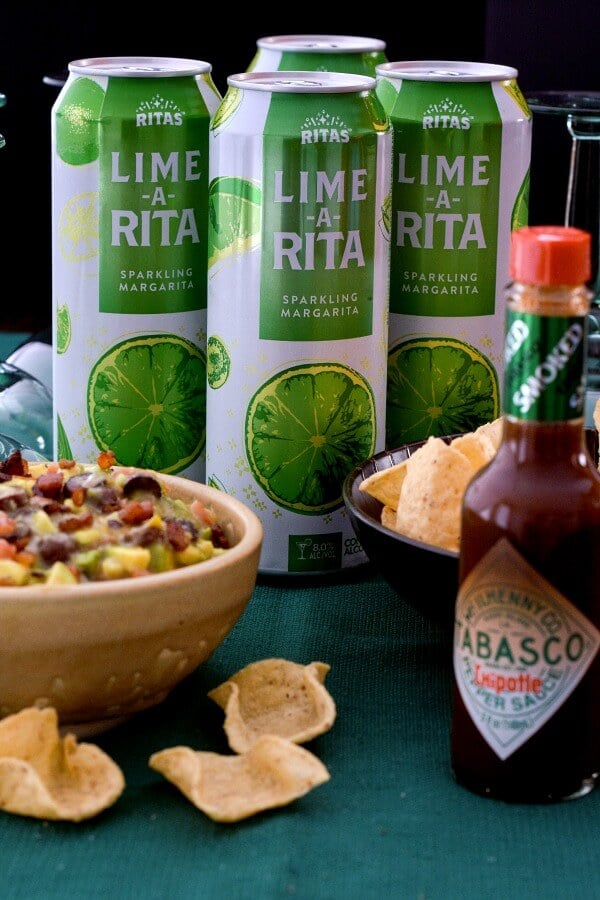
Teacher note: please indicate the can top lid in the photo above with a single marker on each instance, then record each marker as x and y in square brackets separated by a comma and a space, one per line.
[300, 82]
[445, 70]
[550, 254]
[321, 43]
[139, 66]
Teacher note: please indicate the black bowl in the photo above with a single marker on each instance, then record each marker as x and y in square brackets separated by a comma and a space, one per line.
[423, 575]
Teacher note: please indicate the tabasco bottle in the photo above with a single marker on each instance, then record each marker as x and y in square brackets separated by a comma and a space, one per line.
[526, 709]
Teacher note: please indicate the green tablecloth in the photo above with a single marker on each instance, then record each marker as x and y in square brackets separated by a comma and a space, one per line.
[391, 822]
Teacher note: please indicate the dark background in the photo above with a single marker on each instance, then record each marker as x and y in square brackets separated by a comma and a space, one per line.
[554, 44]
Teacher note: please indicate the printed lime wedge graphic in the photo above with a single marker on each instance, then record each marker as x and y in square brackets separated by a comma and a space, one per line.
[218, 362]
[387, 94]
[438, 386]
[146, 401]
[234, 206]
[227, 107]
[385, 221]
[63, 328]
[77, 119]
[511, 87]
[78, 228]
[64, 447]
[520, 211]
[213, 481]
[305, 429]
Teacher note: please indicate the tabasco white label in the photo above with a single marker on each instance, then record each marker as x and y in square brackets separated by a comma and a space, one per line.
[520, 648]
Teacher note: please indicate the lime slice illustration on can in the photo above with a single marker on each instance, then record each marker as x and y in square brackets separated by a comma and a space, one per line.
[227, 107]
[77, 118]
[218, 362]
[63, 328]
[234, 210]
[305, 429]
[64, 447]
[438, 386]
[78, 228]
[520, 211]
[146, 401]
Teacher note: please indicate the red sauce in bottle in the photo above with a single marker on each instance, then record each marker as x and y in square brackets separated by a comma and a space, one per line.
[526, 707]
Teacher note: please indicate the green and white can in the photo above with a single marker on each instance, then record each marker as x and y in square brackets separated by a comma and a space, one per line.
[319, 53]
[129, 239]
[300, 167]
[460, 184]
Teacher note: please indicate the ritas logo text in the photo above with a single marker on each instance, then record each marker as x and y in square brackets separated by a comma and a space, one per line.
[324, 129]
[158, 111]
[447, 114]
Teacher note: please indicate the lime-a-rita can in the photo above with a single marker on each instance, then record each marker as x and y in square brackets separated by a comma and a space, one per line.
[300, 166]
[460, 184]
[129, 236]
[319, 52]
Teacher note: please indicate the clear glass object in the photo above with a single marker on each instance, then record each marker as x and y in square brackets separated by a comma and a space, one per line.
[581, 113]
[2, 103]
[25, 411]
[9, 445]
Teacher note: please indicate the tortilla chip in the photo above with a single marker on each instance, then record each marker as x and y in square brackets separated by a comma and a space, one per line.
[430, 507]
[230, 788]
[277, 697]
[386, 484]
[492, 430]
[477, 446]
[49, 777]
[388, 517]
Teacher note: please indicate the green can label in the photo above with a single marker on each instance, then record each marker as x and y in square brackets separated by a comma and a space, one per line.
[297, 315]
[445, 199]
[319, 220]
[460, 184]
[129, 261]
[544, 357]
[153, 197]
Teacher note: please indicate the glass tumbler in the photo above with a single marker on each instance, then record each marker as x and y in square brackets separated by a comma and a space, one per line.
[25, 410]
[581, 113]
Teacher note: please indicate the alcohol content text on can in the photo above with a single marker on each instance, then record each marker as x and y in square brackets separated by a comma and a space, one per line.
[300, 166]
[460, 185]
[319, 52]
[129, 235]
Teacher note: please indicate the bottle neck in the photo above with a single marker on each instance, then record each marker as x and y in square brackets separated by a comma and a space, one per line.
[545, 349]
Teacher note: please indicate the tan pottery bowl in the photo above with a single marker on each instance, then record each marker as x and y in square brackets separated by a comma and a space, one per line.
[101, 651]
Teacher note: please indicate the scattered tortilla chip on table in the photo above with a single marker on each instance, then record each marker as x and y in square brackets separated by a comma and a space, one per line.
[278, 697]
[48, 777]
[273, 773]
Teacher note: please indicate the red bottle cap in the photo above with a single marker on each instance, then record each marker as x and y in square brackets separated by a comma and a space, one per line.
[550, 254]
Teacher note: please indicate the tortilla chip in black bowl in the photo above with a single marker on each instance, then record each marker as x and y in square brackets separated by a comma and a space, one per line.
[423, 575]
